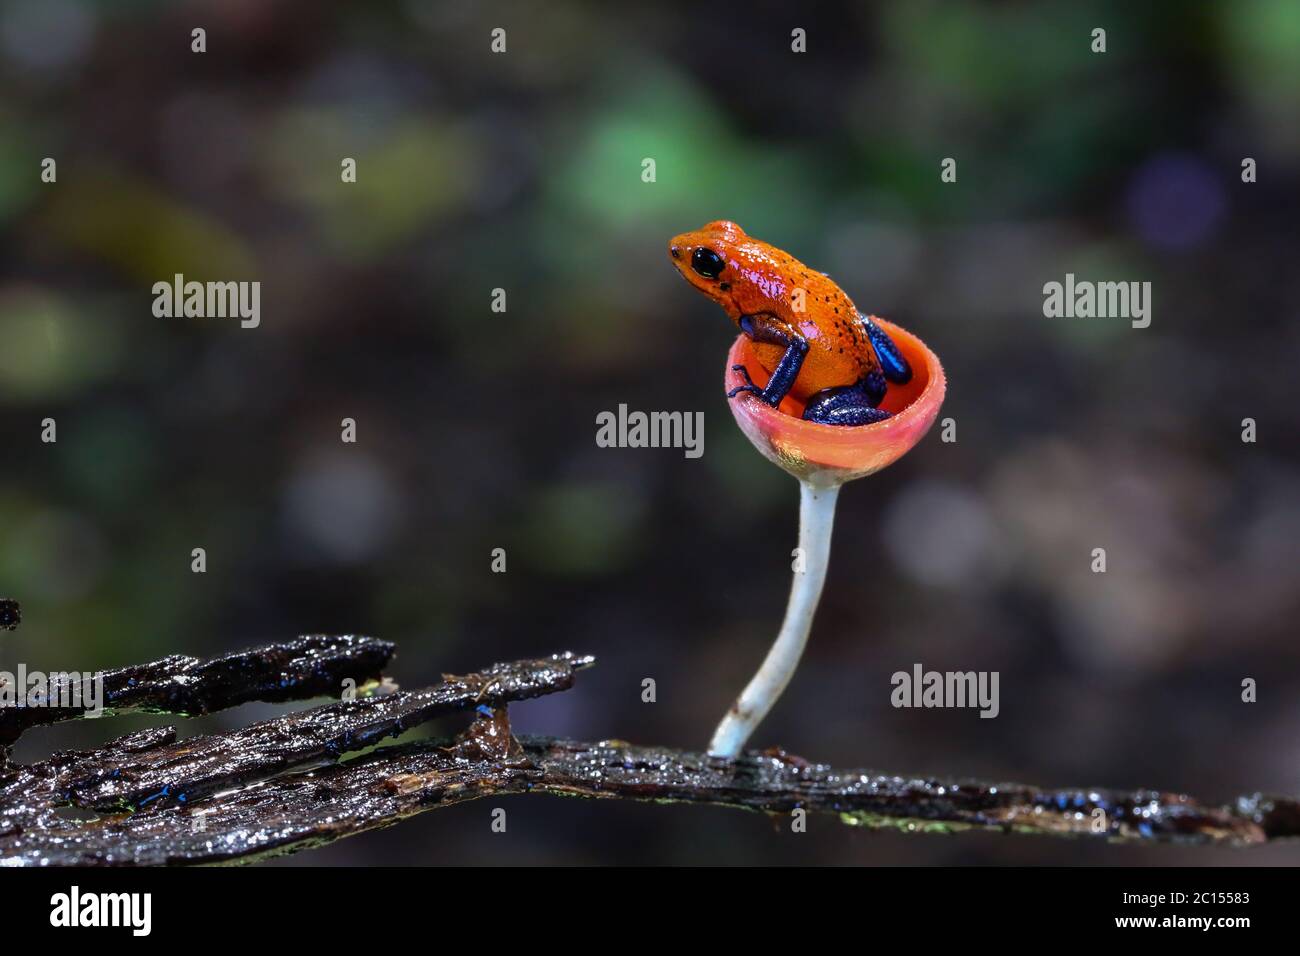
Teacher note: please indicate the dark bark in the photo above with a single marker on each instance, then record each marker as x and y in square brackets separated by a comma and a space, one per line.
[285, 785]
[171, 772]
[312, 666]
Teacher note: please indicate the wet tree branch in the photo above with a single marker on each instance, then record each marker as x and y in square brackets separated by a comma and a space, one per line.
[297, 781]
[311, 666]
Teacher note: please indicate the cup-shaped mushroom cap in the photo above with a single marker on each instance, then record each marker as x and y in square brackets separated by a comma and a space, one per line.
[832, 454]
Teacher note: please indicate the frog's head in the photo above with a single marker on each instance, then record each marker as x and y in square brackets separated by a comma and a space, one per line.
[707, 257]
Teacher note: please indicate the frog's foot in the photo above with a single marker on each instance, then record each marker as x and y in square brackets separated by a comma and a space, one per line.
[749, 385]
[771, 398]
[847, 404]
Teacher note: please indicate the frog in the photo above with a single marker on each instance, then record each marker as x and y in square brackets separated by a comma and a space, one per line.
[806, 332]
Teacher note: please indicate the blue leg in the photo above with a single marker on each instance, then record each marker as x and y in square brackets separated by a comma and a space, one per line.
[786, 371]
[847, 404]
[891, 358]
[875, 387]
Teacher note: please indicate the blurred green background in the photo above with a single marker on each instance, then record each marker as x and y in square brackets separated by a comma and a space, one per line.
[522, 171]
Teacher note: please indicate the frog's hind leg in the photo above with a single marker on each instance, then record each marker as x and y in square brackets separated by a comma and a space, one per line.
[848, 404]
[891, 357]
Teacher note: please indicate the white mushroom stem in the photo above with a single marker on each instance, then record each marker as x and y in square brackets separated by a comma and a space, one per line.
[816, 520]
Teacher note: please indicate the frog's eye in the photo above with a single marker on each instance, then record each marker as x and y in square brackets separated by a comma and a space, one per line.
[707, 262]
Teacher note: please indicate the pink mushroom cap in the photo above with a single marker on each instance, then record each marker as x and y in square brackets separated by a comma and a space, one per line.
[832, 454]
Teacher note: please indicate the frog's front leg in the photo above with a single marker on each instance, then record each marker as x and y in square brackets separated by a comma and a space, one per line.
[764, 327]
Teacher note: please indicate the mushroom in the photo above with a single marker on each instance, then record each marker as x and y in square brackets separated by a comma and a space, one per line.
[822, 458]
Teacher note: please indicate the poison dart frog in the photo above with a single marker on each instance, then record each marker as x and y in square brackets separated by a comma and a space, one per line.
[826, 354]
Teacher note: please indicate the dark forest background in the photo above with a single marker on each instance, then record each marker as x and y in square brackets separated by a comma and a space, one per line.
[522, 171]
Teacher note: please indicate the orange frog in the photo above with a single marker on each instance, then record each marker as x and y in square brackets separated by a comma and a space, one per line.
[808, 334]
